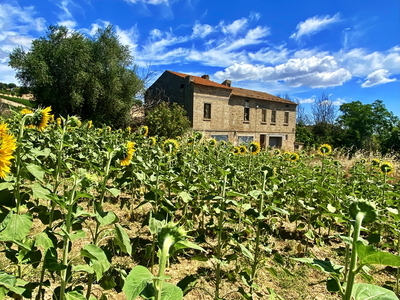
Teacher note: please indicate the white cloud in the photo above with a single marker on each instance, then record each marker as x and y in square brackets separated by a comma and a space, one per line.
[201, 31]
[377, 77]
[361, 63]
[235, 27]
[312, 72]
[306, 100]
[70, 24]
[313, 25]
[339, 101]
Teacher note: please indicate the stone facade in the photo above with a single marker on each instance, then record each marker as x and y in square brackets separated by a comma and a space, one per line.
[228, 113]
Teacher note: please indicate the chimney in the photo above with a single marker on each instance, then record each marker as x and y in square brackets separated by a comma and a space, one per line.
[227, 83]
[206, 77]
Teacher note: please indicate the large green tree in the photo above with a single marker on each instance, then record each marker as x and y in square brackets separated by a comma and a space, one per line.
[368, 126]
[94, 78]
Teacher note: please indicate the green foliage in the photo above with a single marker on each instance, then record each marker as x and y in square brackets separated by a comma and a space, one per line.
[75, 75]
[167, 120]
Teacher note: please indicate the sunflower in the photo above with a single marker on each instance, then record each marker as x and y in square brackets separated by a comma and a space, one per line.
[294, 157]
[127, 153]
[74, 122]
[26, 111]
[8, 144]
[152, 141]
[40, 118]
[212, 142]
[254, 148]
[128, 130]
[170, 146]
[58, 121]
[89, 124]
[108, 128]
[190, 141]
[243, 149]
[276, 152]
[197, 135]
[144, 130]
[376, 162]
[236, 150]
[386, 167]
[325, 149]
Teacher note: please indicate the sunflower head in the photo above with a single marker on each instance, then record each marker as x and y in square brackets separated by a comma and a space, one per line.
[170, 146]
[128, 130]
[127, 153]
[325, 149]
[190, 141]
[197, 135]
[40, 118]
[243, 149]
[376, 162]
[212, 142]
[254, 148]
[276, 152]
[8, 144]
[236, 150]
[144, 130]
[386, 167]
[108, 128]
[152, 141]
[294, 157]
[74, 121]
[58, 121]
[89, 124]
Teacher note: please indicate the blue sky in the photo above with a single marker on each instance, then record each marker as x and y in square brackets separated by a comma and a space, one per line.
[348, 50]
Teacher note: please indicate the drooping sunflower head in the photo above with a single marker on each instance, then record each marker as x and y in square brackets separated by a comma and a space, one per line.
[89, 124]
[254, 148]
[58, 121]
[74, 121]
[108, 128]
[242, 149]
[325, 149]
[127, 153]
[386, 167]
[144, 130]
[170, 146]
[294, 157]
[152, 141]
[40, 118]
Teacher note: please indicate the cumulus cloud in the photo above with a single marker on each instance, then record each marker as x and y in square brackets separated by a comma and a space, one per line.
[313, 25]
[312, 72]
[377, 77]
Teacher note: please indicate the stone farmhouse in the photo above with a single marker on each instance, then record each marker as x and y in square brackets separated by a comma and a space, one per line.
[229, 113]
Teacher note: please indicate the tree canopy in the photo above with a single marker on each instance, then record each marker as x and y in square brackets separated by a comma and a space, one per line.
[167, 119]
[94, 78]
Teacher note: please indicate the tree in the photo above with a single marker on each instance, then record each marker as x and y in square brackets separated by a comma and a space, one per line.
[367, 126]
[323, 110]
[93, 78]
[168, 120]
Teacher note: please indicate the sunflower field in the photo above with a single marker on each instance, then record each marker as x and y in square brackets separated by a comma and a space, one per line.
[95, 213]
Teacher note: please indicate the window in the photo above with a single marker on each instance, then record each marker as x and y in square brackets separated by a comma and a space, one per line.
[245, 139]
[286, 118]
[264, 116]
[207, 110]
[273, 116]
[220, 137]
[246, 116]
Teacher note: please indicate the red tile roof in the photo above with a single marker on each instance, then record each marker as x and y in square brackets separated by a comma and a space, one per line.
[202, 81]
[235, 91]
[258, 95]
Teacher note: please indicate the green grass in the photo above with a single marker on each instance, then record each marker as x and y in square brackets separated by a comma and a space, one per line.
[19, 100]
